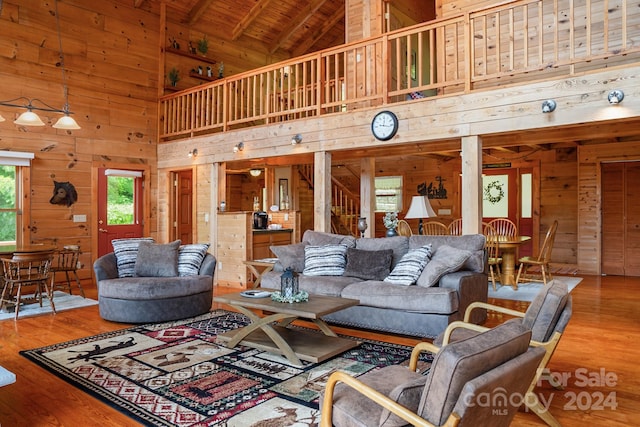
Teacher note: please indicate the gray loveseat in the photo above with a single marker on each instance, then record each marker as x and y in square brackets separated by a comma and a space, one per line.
[152, 299]
[440, 295]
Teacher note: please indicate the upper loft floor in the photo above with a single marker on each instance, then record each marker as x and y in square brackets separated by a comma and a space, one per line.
[507, 45]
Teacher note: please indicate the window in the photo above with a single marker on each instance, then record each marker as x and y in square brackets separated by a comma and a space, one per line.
[13, 167]
[8, 207]
[388, 193]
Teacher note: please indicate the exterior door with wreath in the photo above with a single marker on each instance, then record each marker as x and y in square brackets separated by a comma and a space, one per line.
[503, 196]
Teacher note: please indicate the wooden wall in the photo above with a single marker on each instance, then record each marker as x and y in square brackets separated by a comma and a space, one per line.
[111, 59]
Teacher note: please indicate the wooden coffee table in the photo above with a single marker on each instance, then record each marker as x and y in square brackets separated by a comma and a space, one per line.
[294, 344]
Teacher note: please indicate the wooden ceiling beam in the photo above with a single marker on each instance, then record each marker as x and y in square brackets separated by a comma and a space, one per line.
[198, 10]
[295, 23]
[302, 48]
[137, 3]
[244, 23]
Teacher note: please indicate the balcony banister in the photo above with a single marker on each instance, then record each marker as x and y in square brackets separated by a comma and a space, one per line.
[477, 50]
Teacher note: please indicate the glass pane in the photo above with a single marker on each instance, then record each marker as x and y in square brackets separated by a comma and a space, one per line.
[495, 200]
[527, 210]
[120, 200]
[8, 228]
[7, 187]
[388, 193]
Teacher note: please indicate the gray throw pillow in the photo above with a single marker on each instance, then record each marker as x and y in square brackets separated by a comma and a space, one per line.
[290, 256]
[446, 259]
[126, 252]
[190, 258]
[157, 260]
[368, 265]
[408, 269]
[326, 260]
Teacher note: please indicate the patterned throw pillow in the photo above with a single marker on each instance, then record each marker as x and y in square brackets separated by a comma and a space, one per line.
[408, 269]
[190, 258]
[326, 260]
[126, 251]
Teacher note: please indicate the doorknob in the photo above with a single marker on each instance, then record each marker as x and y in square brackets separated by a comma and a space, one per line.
[102, 230]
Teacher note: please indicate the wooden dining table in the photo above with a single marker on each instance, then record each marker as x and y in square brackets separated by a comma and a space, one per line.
[508, 246]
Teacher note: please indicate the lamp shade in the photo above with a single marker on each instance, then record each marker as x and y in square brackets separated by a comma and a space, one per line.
[29, 118]
[420, 208]
[66, 122]
[1, 118]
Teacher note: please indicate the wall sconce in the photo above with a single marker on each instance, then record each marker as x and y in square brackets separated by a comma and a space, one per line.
[548, 106]
[615, 96]
[238, 147]
[193, 153]
[255, 172]
[297, 139]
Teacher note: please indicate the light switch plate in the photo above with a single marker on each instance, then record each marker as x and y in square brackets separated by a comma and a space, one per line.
[79, 218]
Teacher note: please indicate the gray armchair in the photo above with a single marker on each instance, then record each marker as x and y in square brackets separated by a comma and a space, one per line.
[497, 363]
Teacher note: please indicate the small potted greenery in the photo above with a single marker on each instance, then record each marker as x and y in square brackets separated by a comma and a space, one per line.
[391, 222]
[174, 76]
[203, 45]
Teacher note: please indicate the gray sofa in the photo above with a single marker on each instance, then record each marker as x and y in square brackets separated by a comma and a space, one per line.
[152, 299]
[415, 310]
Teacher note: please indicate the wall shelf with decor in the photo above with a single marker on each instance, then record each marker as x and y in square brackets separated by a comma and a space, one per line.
[190, 55]
[202, 77]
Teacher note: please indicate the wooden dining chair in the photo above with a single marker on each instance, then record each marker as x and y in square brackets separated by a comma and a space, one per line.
[66, 261]
[435, 228]
[21, 273]
[404, 229]
[541, 261]
[504, 227]
[455, 228]
[494, 260]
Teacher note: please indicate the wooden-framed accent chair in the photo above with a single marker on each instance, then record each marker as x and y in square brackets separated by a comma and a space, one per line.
[435, 228]
[497, 361]
[547, 317]
[404, 229]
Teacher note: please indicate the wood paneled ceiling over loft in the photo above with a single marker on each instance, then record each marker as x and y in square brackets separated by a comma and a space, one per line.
[293, 26]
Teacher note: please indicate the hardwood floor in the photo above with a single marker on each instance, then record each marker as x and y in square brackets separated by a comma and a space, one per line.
[597, 355]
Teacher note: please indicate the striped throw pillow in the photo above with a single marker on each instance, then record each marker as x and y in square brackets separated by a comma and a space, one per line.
[326, 260]
[190, 258]
[408, 269]
[126, 251]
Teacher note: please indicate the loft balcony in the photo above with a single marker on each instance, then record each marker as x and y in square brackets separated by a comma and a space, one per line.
[516, 43]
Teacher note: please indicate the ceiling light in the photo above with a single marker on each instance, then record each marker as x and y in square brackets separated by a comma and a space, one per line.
[29, 118]
[548, 106]
[238, 147]
[615, 96]
[297, 139]
[255, 172]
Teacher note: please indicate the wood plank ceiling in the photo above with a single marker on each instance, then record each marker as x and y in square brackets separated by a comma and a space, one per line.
[291, 26]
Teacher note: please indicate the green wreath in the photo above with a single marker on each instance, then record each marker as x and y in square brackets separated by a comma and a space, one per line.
[493, 193]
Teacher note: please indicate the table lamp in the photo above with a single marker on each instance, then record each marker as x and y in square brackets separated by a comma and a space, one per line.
[420, 208]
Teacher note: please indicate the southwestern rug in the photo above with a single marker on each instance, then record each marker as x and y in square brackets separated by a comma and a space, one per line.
[174, 374]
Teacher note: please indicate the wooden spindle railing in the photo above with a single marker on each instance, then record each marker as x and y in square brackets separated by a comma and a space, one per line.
[521, 41]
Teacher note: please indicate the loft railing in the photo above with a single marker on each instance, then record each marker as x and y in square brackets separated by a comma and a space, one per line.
[522, 41]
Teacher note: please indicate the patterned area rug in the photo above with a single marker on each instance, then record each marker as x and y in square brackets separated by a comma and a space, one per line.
[174, 374]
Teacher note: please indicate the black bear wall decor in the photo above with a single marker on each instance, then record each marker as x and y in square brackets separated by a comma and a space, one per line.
[64, 193]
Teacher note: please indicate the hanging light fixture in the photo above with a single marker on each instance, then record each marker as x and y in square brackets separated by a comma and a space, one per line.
[29, 117]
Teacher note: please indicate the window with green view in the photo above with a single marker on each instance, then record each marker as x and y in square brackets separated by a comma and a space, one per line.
[120, 200]
[8, 208]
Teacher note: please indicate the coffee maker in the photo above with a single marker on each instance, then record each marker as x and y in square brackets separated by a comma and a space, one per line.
[260, 220]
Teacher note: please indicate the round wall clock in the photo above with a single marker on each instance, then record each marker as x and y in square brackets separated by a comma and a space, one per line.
[384, 125]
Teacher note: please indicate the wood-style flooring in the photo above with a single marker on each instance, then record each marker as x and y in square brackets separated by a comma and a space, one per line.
[598, 357]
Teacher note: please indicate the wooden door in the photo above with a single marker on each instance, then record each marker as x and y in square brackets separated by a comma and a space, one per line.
[120, 201]
[620, 246]
[183, 206]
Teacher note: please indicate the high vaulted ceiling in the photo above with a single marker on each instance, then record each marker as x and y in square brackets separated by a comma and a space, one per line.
[291, 26]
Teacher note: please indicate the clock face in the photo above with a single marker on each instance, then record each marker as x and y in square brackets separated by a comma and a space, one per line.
[384, 125]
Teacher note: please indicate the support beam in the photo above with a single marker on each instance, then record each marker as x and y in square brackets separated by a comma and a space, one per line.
[471, 184]
[295, 23]
[244, 23]
[198, 10]
[367, 194]
[322, 191]
[326, 27]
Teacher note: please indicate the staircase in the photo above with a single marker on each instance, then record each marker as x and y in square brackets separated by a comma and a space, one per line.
[345, 205]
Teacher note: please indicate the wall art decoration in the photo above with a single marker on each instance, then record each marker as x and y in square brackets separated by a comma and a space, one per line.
[64, 193]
